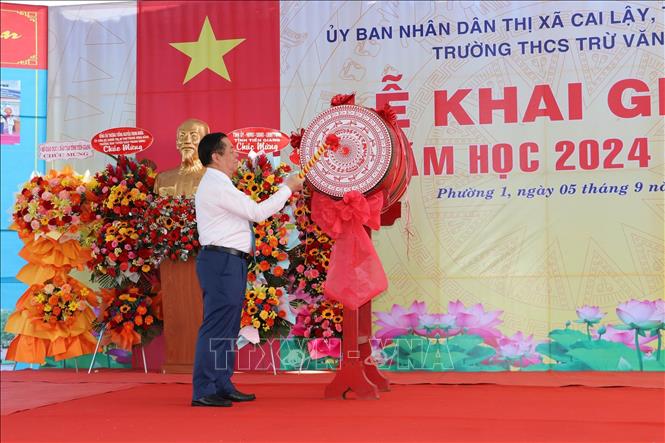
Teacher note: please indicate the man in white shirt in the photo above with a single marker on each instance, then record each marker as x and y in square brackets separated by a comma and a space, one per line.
[223, 218]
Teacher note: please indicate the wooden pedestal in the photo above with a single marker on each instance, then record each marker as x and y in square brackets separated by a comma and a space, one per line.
[357, 372]
[183, 314]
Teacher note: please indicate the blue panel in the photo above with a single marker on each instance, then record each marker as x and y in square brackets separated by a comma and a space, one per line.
[19, 160]
[10, 293]
[9, 247]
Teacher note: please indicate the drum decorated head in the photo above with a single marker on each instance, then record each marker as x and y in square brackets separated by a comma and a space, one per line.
[363, 158]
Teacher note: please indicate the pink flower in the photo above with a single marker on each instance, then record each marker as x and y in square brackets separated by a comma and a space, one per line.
[398, 322]
[518, 350]
[34, 225]
[640, 314]
[660, 312]
[63, 195]
[300, 269]
[589, 314]
[627, 338]
[320, 347]
[27, 218]
[476, 321]
[47, 196]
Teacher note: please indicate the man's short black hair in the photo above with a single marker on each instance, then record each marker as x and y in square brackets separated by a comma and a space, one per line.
[210, 144]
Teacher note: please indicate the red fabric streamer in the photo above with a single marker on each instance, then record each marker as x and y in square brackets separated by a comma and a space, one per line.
[296, 137]
[343, 99]
[355, 274]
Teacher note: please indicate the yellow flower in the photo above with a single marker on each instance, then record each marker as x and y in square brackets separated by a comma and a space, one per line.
[248, 176]
[263, 315]
[124, 309]
[109, 237]
[328, 313]
[270, 179]
[47, 307]
[145, 268]
[261, 295]
[251, 294]
[256, 323]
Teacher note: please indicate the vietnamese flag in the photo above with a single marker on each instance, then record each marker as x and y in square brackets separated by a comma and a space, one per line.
[217, 61]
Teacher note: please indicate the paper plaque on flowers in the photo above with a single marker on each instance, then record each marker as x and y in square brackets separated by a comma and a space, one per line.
[255, 141]
[122, 141]
[65, 150]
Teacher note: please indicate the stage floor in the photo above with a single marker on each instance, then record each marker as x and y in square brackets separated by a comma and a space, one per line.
[126, 406]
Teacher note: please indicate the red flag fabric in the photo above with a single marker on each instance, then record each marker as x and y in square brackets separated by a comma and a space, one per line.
[215, 61]
[355, 274]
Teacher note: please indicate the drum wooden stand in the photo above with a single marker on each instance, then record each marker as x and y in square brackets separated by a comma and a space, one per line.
[357, 372]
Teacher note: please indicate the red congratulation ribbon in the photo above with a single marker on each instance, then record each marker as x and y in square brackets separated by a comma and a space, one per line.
[355, 274]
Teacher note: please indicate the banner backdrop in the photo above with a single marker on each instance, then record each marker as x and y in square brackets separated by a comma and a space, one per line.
[538, 134]
[537, 129]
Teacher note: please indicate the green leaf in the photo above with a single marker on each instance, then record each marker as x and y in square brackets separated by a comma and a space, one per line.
[567, 337]
[479, 354]
[457, 359]
[604, 355]
[571, 366]
[624, 365]
[554, 350]
[538, 367]
[464, 342]
[410, 343]
[653, 365]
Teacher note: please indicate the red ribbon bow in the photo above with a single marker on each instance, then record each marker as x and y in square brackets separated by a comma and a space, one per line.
[355, 274]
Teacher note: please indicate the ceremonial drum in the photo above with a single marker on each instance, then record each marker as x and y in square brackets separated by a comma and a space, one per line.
[373, 155]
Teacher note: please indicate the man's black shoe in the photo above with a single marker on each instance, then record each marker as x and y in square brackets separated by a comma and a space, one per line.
[237, 396]
[213, 401]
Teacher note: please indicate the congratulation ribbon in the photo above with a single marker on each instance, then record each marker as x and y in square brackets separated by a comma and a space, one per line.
[355, 274]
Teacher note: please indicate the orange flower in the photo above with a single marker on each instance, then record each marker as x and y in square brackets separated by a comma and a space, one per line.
[278, 271]
[266, 250]
[117, 318]
[128, 325]
[56, 311]
[264, 265]
[138, 320]
[149, 320]
[141, 310]
[53, 300]
[251, 277]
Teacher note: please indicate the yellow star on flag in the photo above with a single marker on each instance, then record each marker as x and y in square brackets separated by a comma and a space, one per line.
[207, 52]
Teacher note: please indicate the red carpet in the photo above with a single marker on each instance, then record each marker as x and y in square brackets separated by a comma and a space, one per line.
[290, 408]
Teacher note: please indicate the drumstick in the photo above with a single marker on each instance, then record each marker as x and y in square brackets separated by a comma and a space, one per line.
[332, 142]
